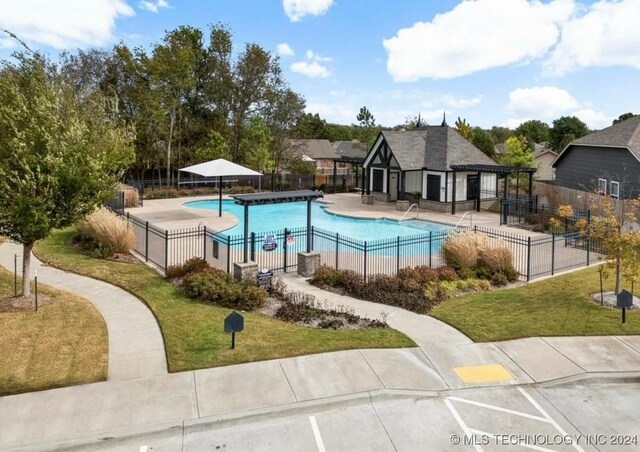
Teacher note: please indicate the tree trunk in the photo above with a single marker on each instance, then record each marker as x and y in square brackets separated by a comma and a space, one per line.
[26, 268]
[169, 150]
[618, 272]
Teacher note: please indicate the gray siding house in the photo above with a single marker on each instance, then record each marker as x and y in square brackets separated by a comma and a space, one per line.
[607, 161]
[424, 166]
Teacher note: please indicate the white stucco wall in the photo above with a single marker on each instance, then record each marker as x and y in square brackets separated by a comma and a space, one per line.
[413, 182]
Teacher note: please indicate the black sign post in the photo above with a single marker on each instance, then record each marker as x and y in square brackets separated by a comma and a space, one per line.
[234, 323]
[624, 300]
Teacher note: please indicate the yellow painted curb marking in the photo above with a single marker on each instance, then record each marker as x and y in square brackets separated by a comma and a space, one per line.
[476, 374]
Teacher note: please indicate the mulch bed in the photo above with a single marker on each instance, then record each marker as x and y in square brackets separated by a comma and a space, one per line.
[20, 303]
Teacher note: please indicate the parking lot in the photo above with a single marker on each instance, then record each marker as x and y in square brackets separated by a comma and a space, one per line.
[571, 417]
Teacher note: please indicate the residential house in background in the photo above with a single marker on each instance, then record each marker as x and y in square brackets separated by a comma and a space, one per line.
[607, 161]
[319, 151]
[544, 157]
[433, 166]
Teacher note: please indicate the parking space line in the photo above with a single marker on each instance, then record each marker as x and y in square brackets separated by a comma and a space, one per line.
[549, 418]
[528, 446]
[316, 434]
[498, 408]
[462, 424]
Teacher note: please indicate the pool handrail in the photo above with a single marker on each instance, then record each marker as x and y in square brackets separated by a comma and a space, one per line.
[408, 210]
[462, 218]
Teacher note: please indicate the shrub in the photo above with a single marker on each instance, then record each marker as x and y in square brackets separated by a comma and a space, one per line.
[325, 275]
[131, 196]
[447, 273]
[460, 249]
[112, 232]
[193, 265]
[494, 260]
[414, 279]
[217, 287]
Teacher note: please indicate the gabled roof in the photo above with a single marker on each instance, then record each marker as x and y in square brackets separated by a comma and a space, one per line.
[541, 149]
[350, 149]
[625, 134]
[315, 149]
[433, 147]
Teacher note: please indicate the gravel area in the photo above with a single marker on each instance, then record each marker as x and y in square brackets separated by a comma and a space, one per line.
[610, 299]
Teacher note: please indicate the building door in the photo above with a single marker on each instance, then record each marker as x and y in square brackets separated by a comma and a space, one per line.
[433, 187]
[393, 186]
[473, 187]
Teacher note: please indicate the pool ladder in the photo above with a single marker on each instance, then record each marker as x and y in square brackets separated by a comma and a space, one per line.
[462, 218]
[409, 210]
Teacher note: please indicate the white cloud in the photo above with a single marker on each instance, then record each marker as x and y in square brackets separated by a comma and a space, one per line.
[153, 5]
[476, 35]
[540, 102]
[461, 102]
[311, 55]
[284, 50]
[312, 69]
[297, 9]
[82, 23]
[593, 119]
[607, 35]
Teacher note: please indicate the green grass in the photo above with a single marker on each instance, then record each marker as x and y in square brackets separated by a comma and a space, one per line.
[557, 306]
[63, 343]
[193, 332]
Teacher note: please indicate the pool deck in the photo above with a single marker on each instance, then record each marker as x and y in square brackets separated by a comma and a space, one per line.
[170, 214]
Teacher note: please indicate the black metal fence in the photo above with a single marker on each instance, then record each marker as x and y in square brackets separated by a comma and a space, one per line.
[527, 213]
[533, 256]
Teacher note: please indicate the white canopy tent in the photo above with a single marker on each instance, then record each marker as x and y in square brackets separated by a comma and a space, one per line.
[220, 168]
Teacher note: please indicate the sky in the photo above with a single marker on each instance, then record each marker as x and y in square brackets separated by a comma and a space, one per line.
[492, 62]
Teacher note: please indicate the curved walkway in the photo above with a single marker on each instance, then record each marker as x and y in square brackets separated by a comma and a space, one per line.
[136, 347]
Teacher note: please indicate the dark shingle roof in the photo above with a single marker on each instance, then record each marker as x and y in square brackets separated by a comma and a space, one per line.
[315, 149]
[435, 148]
[350, 149]
[623, 134]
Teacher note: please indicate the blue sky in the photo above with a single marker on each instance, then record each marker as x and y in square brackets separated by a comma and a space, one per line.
[493, 62]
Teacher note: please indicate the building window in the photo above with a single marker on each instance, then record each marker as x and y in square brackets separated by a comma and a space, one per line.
[602, 186]
[615, 189]
[378, 180]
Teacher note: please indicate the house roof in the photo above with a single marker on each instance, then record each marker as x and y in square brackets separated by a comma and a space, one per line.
[625, 134]
[315, 149]
[350, 149]
[541, 149]
[434, 147]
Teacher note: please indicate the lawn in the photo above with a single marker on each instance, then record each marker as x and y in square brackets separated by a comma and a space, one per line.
[557, 306]
[193, 332]
[64, 343]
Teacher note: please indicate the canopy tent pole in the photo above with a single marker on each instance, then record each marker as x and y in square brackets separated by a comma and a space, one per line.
[220, 198]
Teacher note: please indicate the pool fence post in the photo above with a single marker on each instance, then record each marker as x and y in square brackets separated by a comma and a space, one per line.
[310, 248]
[528, 259]
[166, 249]
[204, 246]
[430, 249]
[553, 252]
[309, 226]
[245, 250]
[337, 241]
[253, 246]
[284, 249]
[397, 254]
[146, 241]
[228, 254]
[365, 261]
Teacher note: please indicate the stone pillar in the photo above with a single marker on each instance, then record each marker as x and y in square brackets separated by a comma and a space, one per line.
[245, 271]
[308, 263]
[402, 205]
[367, 199]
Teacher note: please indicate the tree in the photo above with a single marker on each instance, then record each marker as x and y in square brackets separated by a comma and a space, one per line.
[623, 117]
[256, 145]
[564, 130]
[310, 126]
[464, 129]
[534, 131]
[216, 148]
[60, 154]
[500, 134]
[517, 153]
[483, 141]
[610, 224]
[368, 124]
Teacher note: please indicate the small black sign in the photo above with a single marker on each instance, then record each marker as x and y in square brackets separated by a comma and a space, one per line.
[264, 278]
[624, 299]
[234, 323]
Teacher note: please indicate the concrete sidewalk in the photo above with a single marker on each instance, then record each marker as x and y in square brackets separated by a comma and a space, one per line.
[136, 347]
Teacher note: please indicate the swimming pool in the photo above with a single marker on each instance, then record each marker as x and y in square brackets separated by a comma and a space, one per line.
[277, 217]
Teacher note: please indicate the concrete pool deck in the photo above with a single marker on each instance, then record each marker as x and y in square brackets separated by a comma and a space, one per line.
[171, 214]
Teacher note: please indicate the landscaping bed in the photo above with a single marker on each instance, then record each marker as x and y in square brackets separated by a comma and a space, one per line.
[64, 343]
[193, 331]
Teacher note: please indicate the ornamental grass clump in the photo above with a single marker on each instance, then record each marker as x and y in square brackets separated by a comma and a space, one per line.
[460, 249]
[131, 196]
[110, 231]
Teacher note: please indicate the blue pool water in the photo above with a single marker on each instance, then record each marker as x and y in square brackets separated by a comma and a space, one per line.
[277, 217]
